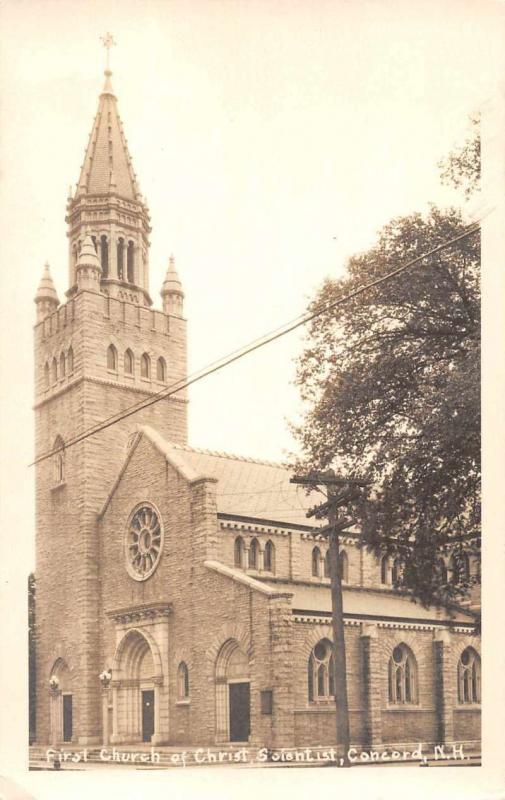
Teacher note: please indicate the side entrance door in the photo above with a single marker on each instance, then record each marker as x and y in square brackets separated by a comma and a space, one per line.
[147, 714]
[240, 712]
[67, 717]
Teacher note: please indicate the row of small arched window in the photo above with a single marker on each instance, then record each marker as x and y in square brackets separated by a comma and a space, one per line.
[129, 364]
[457, 571]
[250, 558]
[317, 558]
[58, 369]
[402, 675]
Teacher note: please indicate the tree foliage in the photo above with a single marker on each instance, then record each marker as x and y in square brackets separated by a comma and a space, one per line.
[390, 384]
[461, 168]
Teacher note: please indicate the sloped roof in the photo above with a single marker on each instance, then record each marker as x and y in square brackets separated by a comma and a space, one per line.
[107, 164]
[359, 603]
[246, 487]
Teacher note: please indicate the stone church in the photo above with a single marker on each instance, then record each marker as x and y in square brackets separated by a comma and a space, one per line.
[182, 595]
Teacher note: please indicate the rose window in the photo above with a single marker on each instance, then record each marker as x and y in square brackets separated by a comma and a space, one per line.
[144, 541]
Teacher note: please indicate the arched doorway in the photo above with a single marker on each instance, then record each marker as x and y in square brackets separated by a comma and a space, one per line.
[233, 703]
[61, 703]
[137, 678]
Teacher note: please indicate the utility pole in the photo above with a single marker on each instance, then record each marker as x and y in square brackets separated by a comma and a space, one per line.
[341, 492]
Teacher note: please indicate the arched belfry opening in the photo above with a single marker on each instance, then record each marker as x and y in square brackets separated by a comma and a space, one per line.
[137, 681]
[233, 695]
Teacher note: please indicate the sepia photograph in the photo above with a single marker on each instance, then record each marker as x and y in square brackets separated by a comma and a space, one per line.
[251, 251]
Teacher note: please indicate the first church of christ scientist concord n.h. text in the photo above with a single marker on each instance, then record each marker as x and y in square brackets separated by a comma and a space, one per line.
[171, 606]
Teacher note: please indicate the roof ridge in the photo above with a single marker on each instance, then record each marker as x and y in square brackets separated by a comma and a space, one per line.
[231, 456]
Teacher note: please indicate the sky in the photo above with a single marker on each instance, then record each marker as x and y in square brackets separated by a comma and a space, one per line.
[272, 140]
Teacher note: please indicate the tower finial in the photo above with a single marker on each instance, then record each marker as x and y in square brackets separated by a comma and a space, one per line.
[108, 41]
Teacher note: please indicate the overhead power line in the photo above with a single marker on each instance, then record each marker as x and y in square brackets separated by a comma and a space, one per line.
[267, 338]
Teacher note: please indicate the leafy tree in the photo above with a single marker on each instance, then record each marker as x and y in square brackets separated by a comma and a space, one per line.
[461, 168]
[390, 384]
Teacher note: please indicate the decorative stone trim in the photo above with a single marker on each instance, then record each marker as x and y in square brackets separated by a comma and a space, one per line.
[233, 527]
[318, 620]
[136, 613]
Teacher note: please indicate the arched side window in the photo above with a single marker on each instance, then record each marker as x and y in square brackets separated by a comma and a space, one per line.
[111, 358]
[397, 571]
[129, 263]
[326, 564]
[161, 370]
[62, 365]
[321, 672]
[145, 366]
[70, 361]
[469, 676]
[104, 255]
[402, 677]
[316, 558]
[269, 557]
[183, 681]
[59, 460]
[128, 362]
[385, 569]
[253, 554]
[120, 258]
[239, 552]
[54, 371]
[343, 566]
[46, 376]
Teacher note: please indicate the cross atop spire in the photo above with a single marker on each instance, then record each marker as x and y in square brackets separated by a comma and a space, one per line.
[108, 41]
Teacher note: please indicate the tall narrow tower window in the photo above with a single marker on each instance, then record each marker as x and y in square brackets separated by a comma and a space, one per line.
[62, 365]
[161, 370]
[120, 259]
[112, 358]
[145, 366]
[54, 371]
[94, 243]
[104, 254]
[46, 376]
[129, 263]
[70, 361]
[59, 460]
[128, 362]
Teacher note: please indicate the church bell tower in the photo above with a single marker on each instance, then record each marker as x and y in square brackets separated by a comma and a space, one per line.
[99, 354]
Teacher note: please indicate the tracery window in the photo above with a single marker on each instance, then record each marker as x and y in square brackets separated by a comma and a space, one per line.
[269, 557]
[469, 676]
[402, 677]
[239, 552]
[316, 558]
[143, 541]
[321, 672]
[183, 681]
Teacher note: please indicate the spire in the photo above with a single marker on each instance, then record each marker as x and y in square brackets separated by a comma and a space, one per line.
[107, 166]
[46, 298]
[88, 257]
[171, 291]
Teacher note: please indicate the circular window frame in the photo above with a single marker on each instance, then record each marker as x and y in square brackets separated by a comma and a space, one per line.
[132, 572]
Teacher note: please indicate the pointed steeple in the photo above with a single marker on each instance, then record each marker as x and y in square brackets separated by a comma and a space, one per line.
[46, 298]
[107, 152]
[171, 291]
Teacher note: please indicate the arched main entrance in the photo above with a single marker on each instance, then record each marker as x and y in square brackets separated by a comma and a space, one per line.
[136, 685]
[233, 704]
